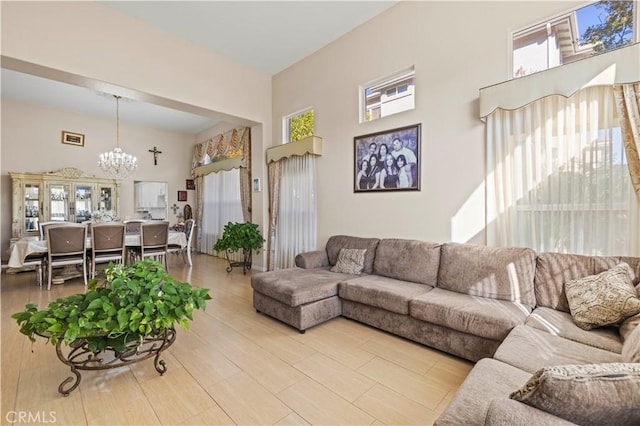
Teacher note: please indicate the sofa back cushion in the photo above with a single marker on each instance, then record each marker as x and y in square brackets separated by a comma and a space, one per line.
[504, 273]
[337, 242]
[408, 260]
[553, 270]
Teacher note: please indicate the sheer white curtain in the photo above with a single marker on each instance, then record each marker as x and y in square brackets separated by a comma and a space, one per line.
[221, 204]
[297, 217]
[557, 177]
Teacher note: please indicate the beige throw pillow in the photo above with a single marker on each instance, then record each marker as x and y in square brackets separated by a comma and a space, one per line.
[591, 394]
[350, 261]
[604, 299]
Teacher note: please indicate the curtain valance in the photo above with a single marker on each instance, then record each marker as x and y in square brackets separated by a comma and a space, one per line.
[226, 151]
[308, 145]
[615, 67]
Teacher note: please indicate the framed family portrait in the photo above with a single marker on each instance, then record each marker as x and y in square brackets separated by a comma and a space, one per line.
[70, 138]
[388, 160]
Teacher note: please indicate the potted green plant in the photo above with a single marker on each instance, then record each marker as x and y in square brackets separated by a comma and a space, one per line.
[237, 236]
[125, 318]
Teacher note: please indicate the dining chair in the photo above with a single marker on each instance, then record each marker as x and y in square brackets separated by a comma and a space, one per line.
[37, 260]
[133, 225]
[67, 245]
[43, 226]
[107, 244]
[154, 236]
[185, 251]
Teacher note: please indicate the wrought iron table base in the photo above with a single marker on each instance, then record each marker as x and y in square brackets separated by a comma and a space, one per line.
[80, 357]
[245, 263]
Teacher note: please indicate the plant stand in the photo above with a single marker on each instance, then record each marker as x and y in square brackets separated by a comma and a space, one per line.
[245, 263]
[81, 358]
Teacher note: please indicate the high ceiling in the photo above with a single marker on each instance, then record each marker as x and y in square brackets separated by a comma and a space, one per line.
[268, 35]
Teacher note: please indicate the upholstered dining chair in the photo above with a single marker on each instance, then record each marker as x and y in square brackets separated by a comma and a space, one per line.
[43, 226]
[67, 245]
[154, 236]
[133, 225]
[185, 251]
[107, 244]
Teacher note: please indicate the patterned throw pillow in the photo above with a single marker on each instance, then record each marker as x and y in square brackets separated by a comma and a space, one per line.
[591, 394]
[604, 299]
[350, 261]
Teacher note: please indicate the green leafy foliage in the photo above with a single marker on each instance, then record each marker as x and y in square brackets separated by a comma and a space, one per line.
[301, 126]
[132, 302]
[616, 30]
[239, 236]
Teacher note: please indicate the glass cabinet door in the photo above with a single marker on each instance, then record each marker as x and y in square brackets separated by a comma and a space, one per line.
[31, 207]
[59, 202]
[82, 205]
[106, 199]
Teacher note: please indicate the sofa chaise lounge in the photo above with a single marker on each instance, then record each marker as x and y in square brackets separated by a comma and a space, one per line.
[505, 308]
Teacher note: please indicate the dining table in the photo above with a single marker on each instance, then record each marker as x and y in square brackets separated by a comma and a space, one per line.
[25, 246]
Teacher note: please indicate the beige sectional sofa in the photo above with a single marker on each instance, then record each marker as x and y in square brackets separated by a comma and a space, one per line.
[504, 307]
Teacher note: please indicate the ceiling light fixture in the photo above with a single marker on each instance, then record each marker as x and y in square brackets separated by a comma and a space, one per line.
[117, 163]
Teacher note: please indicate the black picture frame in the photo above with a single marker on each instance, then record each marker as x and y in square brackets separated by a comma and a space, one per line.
[389, 173]
[182, 195]
[191, 184]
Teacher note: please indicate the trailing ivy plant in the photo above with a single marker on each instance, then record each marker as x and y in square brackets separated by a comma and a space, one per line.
[240, 236]
[132, 302]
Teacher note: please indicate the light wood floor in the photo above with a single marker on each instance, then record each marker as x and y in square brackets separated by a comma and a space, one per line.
[233, 366]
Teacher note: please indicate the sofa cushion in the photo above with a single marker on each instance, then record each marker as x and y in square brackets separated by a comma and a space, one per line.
[631, 347]
[350, 261]
[561, 324]
[628, 325]
[603, 299]
[505, 411]
[381, 292]
[591, 394]
[487, 380]
[555, 269]
[312, 259]
[337, 242]
[408, 260]
[530, 349]
[480, 316]
[504, 273]
[297, 286]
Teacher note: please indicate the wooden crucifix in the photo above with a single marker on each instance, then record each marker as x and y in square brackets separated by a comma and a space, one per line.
[155, 155]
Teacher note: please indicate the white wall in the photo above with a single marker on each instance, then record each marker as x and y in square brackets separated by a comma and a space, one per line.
[31, 142]
[457, 48]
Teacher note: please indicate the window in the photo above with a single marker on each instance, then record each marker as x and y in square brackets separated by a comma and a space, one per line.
[298, 125]
[558, 176]
[386, 96]
[592, 29]
[297, 213]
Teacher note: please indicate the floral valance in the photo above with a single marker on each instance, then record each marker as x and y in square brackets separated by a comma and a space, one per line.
[231, 145]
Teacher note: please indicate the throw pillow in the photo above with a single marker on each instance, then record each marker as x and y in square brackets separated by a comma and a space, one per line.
[631, 347]
[592, 394]
[604, 299]
[350, 261]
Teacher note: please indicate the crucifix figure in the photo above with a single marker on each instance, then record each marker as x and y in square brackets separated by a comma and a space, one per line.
[155, 155]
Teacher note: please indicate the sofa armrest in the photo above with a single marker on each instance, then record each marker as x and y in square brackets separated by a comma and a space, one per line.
[505, 411]
[312, 259]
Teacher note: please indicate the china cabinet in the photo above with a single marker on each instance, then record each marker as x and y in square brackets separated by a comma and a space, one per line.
[67, 195]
